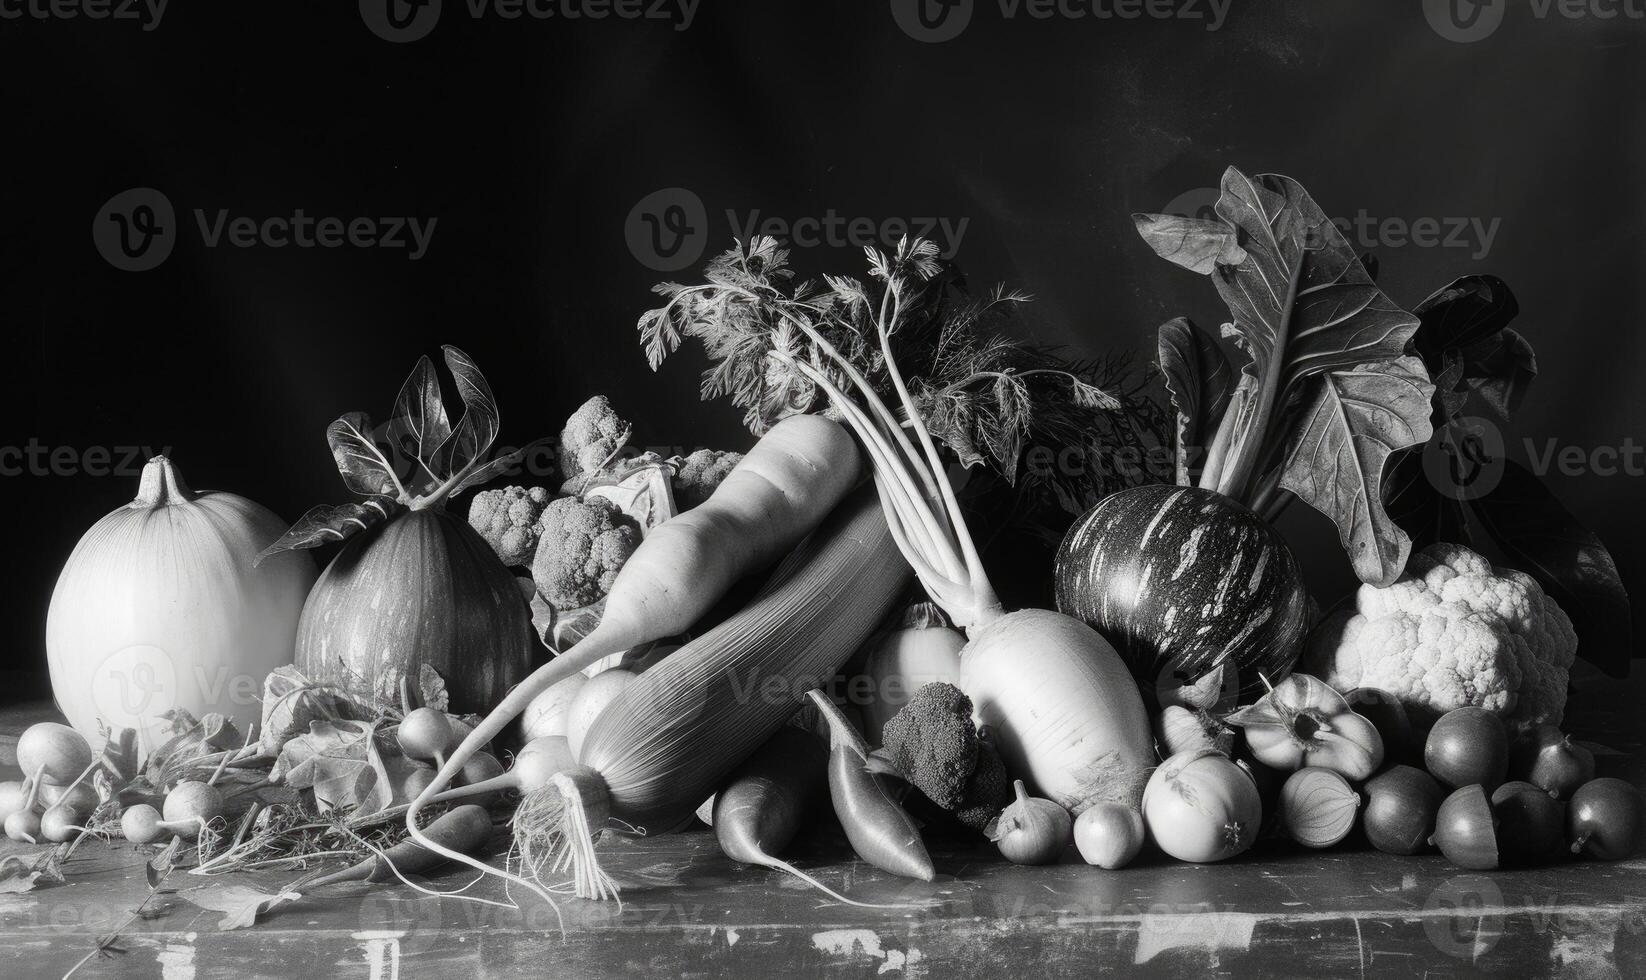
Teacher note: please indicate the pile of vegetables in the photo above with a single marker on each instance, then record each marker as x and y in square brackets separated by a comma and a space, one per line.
[741, 636]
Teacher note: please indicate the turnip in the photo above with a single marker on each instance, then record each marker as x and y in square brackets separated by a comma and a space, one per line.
[190, 806]
[534, 765]
[53, 753]
[547, 713]
[23, 826]
[14, 796]
[60, 823]
[426, 733]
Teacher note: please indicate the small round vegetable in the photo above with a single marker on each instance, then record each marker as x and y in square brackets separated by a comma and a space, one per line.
[1109, 835]
[1468, 746]
[1202, 807]
[1031, 830]
[537, 762]
[1466, 831]
[426, 733]
[60, 823]
[1388, 715]
[24, 827]
[1530, 822]
[80, 797]
[1401, 807]
[547, 713]
[1548, 759]
[416, 781]
[53, 753]
[141, 824]
[1605, 819]
[481, 767]
[189, 805]
[13, 797]
[601, 690]
[1318, 806]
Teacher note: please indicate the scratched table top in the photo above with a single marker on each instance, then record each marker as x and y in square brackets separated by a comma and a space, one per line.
[688, 911]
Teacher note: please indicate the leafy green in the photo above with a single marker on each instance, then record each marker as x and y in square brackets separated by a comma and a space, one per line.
[1325, 391]
[417, 460]
[986, 397]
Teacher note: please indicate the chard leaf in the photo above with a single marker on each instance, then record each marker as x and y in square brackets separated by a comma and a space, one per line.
[419, 425]
[477, 430]
[1301, 294]
[1343, 439]
[1196, 244]
[500, 466]
[328, 522]
[365, 468]
[1198, 379]
[1541, 537]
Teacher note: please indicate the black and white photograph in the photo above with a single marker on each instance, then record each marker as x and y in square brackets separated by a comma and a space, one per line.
[929, 489]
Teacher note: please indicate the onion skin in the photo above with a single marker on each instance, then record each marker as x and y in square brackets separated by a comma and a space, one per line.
[1179, 578]
[1318, 807]
[161, 607]
[424, 588]
[1064, 711]
[1109, 835]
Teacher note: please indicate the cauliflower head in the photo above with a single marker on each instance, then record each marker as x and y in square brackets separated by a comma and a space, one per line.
[1454, 630]
[582, 547]
[592, 436]
[510, 520]
[700, 473]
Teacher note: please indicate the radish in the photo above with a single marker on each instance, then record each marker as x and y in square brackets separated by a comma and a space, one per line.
[761, 808]
[23, 826]
[190, 806]
[14, 797]
[142, 824]
[536, 763]
[881, 831]
[1065, 710]
[426, 733]
[60, 823]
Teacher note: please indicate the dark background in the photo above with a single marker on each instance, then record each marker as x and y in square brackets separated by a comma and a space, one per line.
[531, 141]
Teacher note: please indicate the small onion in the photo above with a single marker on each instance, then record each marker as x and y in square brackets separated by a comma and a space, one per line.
[1202, 807]
[1466, 830]
[1031, 830]
[1109, 835]
[1318, 807]
[1531, 822]
[1402, 803]
[1605, 819]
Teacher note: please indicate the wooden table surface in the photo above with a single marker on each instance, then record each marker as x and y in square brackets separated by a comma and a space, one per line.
[688, 911]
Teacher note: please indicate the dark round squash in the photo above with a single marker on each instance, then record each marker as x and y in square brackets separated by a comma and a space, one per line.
[1179, 578]
[424, 588]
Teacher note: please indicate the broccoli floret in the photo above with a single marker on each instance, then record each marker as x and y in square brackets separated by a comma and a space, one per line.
[510, 521]
[699, 475]
[933, 742]
[592, 436]
[988, 792]
[584, 544]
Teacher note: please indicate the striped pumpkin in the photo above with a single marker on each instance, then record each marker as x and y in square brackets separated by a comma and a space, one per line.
[1180, 579]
